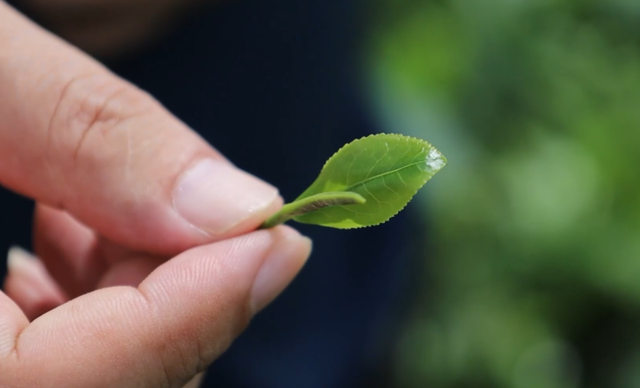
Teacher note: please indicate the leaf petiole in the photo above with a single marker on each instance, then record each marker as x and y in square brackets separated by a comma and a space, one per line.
[311, 204]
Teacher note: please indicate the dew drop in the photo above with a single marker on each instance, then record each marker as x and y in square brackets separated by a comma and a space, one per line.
[435, 160]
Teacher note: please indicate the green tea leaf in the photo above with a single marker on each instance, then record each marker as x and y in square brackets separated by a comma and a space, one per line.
[386, 170]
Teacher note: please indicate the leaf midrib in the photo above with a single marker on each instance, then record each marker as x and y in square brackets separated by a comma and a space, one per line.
[364, 181]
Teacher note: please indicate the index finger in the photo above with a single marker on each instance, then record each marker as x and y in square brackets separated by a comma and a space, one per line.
[76, 137]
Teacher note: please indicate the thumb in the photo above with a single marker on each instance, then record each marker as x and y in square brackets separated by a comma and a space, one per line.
[180, 318]
[76, 137]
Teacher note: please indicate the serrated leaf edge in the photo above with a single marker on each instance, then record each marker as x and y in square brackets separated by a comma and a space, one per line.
[404, 137]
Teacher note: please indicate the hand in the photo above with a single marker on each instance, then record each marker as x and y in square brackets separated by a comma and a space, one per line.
[121, 187]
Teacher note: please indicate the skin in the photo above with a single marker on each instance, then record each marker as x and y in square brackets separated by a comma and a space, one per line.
[140, 280]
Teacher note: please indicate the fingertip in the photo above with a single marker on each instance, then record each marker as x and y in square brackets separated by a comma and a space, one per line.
[29, 284]
[283, 262]
[222, 200]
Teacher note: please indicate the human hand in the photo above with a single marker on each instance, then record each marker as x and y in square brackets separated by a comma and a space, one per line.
[121, 187]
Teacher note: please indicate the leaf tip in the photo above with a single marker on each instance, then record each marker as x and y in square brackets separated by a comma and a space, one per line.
[435, 160]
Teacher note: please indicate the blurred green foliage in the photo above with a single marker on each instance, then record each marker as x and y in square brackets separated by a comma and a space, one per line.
[532, 279]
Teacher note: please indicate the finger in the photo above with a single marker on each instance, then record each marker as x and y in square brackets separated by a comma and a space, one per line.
[79, 261]
[76, 137]
[30, 285]
[195, 382]
[130, 272]
[68, 249]
[183, 316]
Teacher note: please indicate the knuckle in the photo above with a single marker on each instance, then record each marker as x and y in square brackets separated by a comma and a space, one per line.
[87, 126]
[90, 107]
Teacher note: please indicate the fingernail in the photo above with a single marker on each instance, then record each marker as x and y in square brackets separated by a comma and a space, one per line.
[215, 196]
[280, 266]
[21, 262]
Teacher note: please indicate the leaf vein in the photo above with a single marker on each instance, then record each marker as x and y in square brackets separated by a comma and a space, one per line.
[377, 161]
[362, 182]
[384, 182]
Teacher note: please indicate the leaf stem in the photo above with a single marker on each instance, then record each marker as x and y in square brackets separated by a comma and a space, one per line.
[311, 204]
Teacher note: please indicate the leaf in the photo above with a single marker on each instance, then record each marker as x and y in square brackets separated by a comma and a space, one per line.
[385, 169]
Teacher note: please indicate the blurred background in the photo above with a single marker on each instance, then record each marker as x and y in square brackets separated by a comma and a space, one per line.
[532, 277]
[531, 274]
